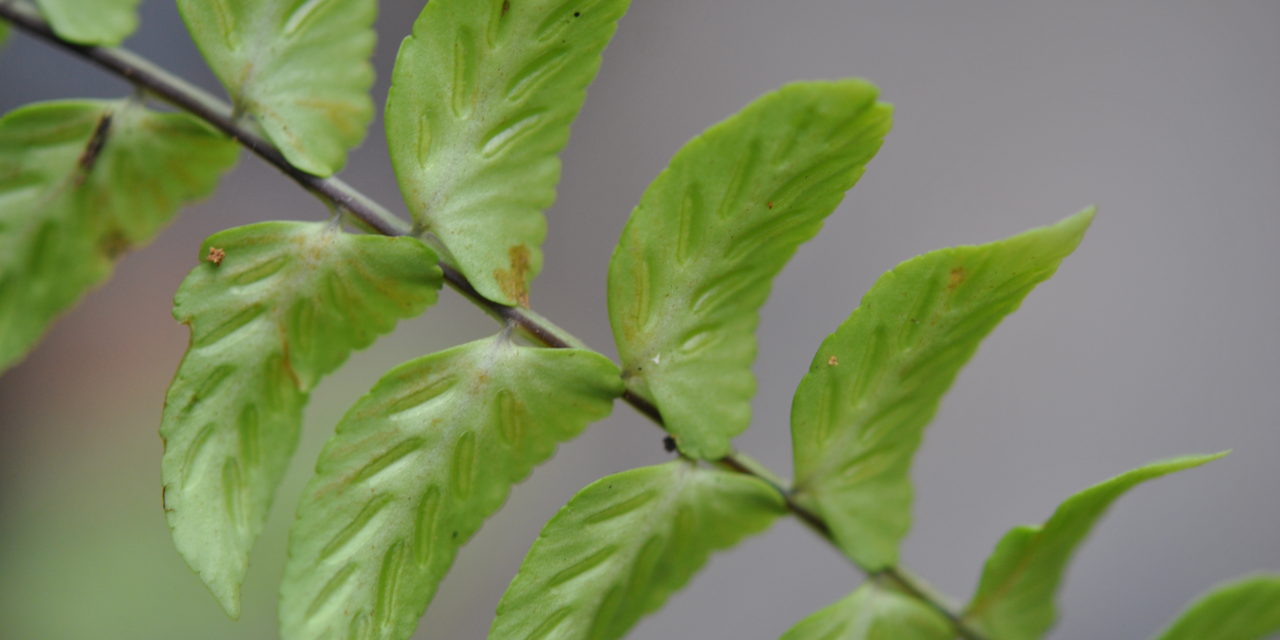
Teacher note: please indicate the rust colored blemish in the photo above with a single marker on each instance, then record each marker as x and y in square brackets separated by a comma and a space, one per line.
[955, 278]
[216, 255]
[833, 361]
[769, 204]
[506, 6]
[514, 280]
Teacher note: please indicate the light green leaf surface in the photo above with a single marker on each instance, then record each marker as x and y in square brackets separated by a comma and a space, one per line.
[623, 545]
[1246, 609]
[104, 23]
[272, 308]
[481, 100]
[300, 68]
[698, 256]
[1015, 598]
[81, 182]
[859, 414]
[873, 613]
[413, 471]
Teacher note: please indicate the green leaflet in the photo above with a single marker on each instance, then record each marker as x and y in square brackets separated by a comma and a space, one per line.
[1015, 597]
[81, 182]
[413, 471]
[1247, 609]
[697, 258]
[300, 67]
[860, 413]
[624, 544]
[873, 613]
[4, 32]
[93, 22]
[481, 100]
[272, 308]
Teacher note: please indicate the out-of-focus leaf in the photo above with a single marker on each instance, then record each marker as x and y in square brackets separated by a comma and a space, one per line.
[873, 613]
[413, 471]
[698, 256]
[481, 100]
[1247, 609]
[300, 68]
[272, 308]
[81, 182]
[103, 23]
[860, 413]
[1015, 597]
[624, 544]
[4, 32]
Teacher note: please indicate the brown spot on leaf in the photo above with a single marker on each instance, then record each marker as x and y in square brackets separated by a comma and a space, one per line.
[769, 204]
[93, 149]
[514, 280]
[114, 244]
[506, 6]
[216, 255]
[833, 361]
[956, 277]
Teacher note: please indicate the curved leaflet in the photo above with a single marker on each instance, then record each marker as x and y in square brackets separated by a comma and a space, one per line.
[624, 544]
[105, 23]
[860, 413]
[481, 101]
[301, 68]
[415, 468]
[698, 256]
[272, 308]
[82, 182]
[1014, 600]
[873, 613]
[1246, 609]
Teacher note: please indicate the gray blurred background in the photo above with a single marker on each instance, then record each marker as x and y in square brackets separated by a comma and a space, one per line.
[1158, 337]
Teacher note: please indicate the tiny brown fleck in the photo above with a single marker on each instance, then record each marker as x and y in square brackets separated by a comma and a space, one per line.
[833, 361]
[769, 204]
[506, 6]
[955, 278]
[216, 255]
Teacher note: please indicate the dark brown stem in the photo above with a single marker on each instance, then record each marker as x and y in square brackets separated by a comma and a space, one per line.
[178, 92]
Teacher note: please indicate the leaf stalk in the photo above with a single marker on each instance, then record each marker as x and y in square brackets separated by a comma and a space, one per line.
[183, 95]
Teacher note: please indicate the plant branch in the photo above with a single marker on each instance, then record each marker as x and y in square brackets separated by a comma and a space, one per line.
[178, 92]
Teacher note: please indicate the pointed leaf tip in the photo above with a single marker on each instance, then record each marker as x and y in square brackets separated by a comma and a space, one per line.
[698, 256]
[1015, 597]
[874, 385]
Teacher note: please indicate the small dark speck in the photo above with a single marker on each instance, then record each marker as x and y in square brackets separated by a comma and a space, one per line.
[455, 535]
[577, 14]
[669, 444]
